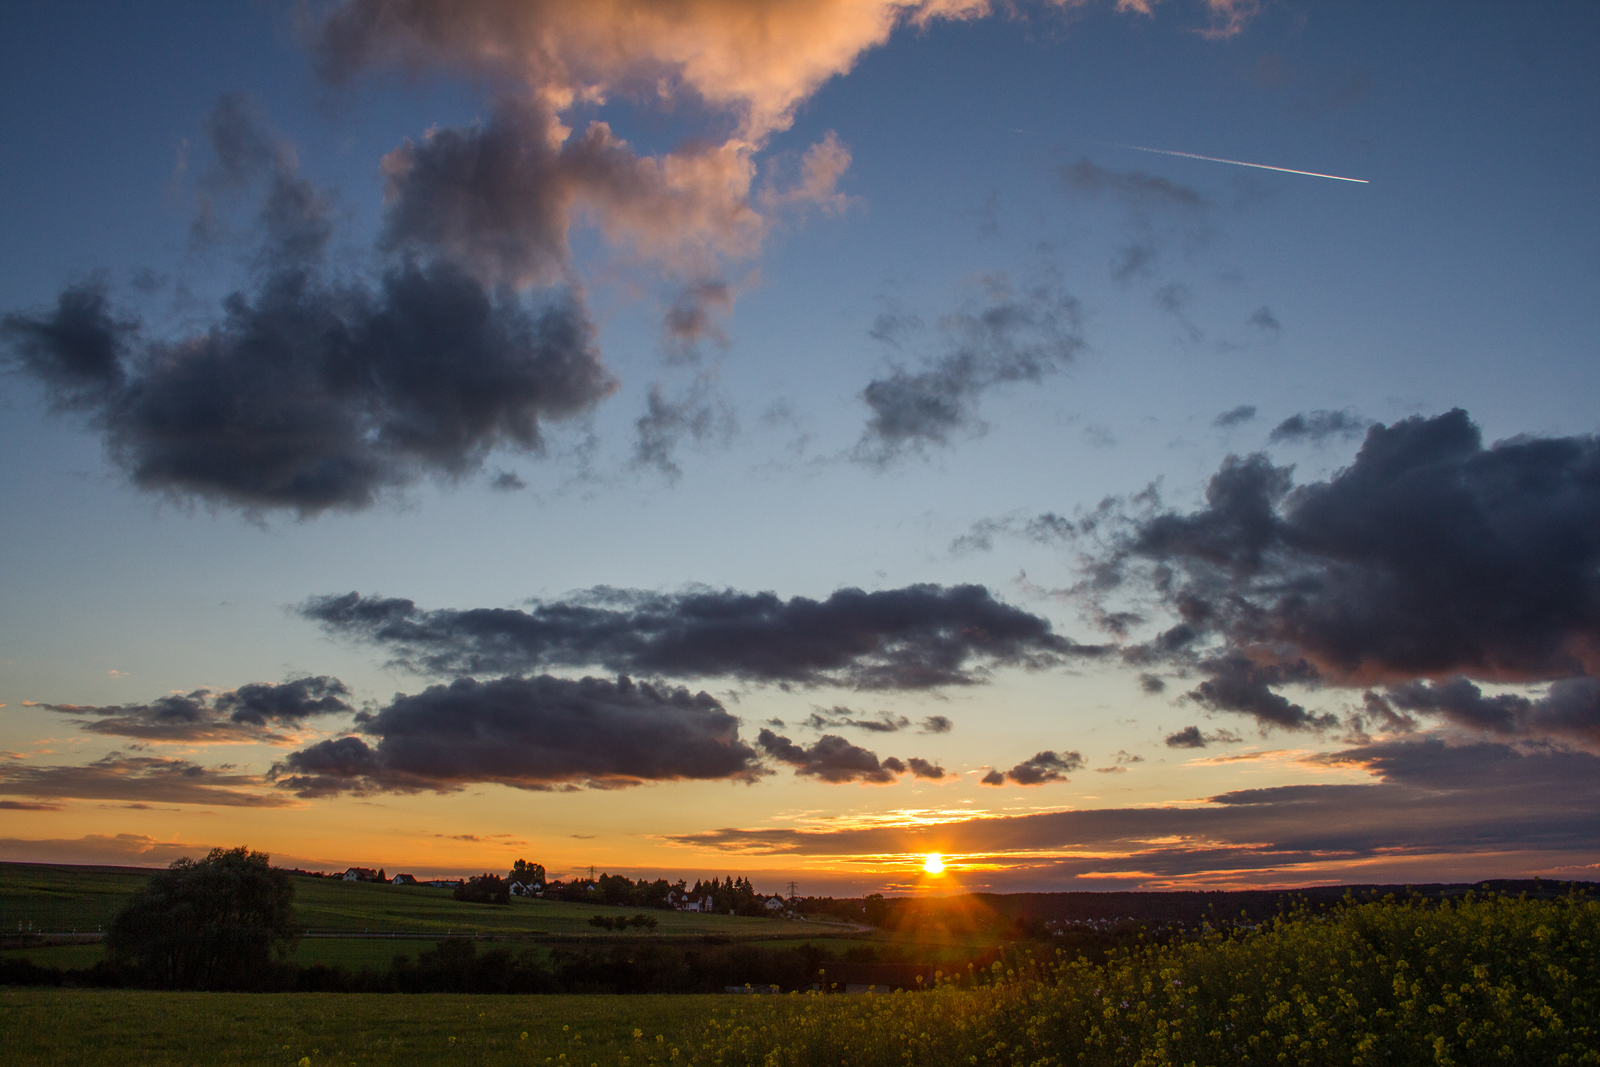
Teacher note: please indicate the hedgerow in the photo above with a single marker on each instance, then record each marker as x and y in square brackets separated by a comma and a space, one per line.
[1481, 980]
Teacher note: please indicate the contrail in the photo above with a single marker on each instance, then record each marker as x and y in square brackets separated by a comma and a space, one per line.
[1240, 163]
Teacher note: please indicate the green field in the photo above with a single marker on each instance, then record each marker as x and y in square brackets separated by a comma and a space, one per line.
[112, 1028]
[60, 899]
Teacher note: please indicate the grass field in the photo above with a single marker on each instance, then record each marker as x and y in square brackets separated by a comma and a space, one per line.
[59, 899]
[115, 1028]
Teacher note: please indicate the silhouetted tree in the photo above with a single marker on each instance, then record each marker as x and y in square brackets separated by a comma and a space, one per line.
[484, 889]
[213, 924]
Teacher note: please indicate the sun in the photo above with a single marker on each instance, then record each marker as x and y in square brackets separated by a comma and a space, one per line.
[934, 863]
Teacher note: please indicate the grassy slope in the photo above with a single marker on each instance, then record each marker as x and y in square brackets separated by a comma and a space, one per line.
[112, 1028]
[82, 898]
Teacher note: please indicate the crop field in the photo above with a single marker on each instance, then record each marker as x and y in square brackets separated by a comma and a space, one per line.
[58, 899]
[113, 1028]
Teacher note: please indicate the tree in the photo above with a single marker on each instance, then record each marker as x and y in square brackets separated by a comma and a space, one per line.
[213, 924]
[484, 889]
[526, 873]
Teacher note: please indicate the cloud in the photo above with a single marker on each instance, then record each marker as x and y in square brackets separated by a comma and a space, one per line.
[250, 713]
[917, 637]
[1235, 416]
[1570, 708]
[138, 778]
[1520, 809]
[1039, 769]
[500, 197]
[936, 724]
[109, 849]
[1152, 683]
[25, 805]
[1430, 556]
[831, 758]
[1191, 737]
[1043, 529]
[1264, 320]
[1317, 426]
[314, 392]
[507, 482]
[665, 423]
[1135, 188]
[1005, 336]
[529, 733]
[885, 723]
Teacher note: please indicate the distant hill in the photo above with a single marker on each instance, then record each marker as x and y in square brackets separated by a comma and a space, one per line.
[1254, 904]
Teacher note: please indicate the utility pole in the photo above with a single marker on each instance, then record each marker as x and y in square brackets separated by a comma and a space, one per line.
[794, 890]
[591, 872]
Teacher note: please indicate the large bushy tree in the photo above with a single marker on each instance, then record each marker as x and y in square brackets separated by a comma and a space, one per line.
[218, 923]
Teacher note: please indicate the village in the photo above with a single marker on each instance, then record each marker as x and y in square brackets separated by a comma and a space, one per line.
[730, 896]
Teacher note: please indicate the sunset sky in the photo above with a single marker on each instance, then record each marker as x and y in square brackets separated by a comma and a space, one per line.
[788, 437]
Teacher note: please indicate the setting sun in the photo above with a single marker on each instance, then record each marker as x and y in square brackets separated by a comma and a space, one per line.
[934, 864]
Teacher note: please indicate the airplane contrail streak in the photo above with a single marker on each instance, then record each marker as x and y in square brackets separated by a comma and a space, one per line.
[1241, 163]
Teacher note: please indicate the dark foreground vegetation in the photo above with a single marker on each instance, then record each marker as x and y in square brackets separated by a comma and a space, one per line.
[1477, 980]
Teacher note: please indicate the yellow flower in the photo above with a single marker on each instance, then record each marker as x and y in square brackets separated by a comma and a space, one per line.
[524, 1035]
[305, 1061]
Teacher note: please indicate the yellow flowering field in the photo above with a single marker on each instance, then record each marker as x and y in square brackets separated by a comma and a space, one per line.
[1480, 981]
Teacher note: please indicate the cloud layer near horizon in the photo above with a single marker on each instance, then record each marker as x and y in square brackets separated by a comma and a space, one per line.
[1431, 799]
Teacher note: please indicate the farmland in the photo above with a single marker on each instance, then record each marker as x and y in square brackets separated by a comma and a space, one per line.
[59, 899]
[112, 1028]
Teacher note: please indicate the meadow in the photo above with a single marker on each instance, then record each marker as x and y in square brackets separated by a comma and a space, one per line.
[60, 899]
[113, 1028]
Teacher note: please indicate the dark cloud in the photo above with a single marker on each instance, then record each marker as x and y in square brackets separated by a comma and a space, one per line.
[1429, 556]
[1135, 260]
[250, 713]
[832, 759]
[1316, 426]
[921, 768]
[138, 778]
[1152, 683]
[26, 805]
[918, 637]
[698, 416]
[885, 723]
[311, 392]
[1235, 416]
[1174, 298]
[1191, 737]
[1570, 708]
[1007, 336]
[1238, 683]
[1497, 803]
[530, 733]
[936, 724]
[1038, 769]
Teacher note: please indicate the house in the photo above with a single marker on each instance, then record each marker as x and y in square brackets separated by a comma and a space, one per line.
[527, 889]
[361, 874]
[404, 879]
[775, 904]
[445, 883]
[697, 902]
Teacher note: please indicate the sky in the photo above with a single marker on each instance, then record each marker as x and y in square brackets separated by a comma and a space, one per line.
[790, 438]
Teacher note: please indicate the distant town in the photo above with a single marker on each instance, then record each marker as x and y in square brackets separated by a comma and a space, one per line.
[729, 896]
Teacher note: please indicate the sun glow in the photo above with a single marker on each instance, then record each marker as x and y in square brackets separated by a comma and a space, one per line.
[934, 863]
